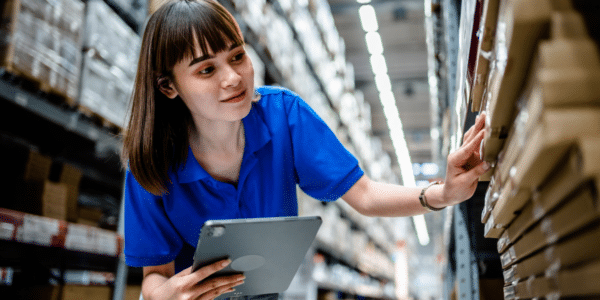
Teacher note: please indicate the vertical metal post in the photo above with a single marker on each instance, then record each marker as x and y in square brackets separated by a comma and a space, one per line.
[121, 277]
[467, 274]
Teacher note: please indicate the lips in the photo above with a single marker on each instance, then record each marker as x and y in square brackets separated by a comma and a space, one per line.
[237, 98]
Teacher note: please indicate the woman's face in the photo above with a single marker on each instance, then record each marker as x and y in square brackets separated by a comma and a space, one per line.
[215, 86]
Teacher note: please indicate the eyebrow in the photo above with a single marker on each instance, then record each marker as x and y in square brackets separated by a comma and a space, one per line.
[208, 56]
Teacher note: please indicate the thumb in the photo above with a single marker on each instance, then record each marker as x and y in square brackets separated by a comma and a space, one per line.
[477, 171]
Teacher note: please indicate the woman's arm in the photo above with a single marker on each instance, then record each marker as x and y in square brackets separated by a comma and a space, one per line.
[161, 282]
[462, 174]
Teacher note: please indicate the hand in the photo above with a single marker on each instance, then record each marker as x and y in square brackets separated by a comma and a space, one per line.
[194, 285]
[465, 165]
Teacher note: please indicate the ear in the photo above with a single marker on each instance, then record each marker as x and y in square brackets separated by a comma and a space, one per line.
[166, 86]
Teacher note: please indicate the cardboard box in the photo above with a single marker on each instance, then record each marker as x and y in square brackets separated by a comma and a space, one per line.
[581, 164]
[489, 21]
[510, 203]
[38, 167]
[89, 216]
[576, 213]
[557, 132]
[521, 24]
[71, 176]
[491, 196]
[567, 23]
[45, 198]
[491, 230]
[133, 292]
[582, 281]
[574, 249]
[77, 292]
[54, 200]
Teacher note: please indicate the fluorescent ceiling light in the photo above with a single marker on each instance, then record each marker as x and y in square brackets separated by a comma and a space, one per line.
[363, 1]
[390, 111]
[383, 83]
[378, 64]
[421, 228]
[368, 19]
[374, 44]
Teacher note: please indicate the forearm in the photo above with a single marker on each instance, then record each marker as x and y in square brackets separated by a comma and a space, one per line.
[390, 200]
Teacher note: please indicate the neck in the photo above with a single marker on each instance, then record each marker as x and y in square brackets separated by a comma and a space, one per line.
[218, 136]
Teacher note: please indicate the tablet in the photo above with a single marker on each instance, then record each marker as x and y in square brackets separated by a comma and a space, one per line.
[268, 251]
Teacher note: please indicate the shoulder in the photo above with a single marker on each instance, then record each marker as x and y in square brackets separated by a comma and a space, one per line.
[274, 91]
[275, 98]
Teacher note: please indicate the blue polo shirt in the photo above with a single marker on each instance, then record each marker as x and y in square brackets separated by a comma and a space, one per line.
[287, 144]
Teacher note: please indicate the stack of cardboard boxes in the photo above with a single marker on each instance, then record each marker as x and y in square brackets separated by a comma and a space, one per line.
[42, 41]
[543, 136]
[38, 185]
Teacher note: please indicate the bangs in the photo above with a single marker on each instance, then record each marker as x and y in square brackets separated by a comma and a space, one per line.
[189, 24]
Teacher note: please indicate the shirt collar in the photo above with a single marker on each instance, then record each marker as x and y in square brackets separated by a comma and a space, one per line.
[257, 136]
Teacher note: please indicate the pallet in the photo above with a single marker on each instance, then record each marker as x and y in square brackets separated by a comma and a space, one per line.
[99, 120]
[10, 10]
[36, 86]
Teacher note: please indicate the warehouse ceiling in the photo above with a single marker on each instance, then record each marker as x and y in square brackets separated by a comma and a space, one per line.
[401, 26]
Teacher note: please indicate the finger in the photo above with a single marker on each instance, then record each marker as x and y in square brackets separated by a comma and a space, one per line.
[479, 124]
[464, 153]
[206, 271]
[474, 174]
[217, 291]
[219, 283]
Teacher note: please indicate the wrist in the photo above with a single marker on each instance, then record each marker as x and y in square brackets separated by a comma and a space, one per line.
[431, 197]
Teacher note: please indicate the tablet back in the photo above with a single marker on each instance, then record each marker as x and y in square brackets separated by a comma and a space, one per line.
[268, 251]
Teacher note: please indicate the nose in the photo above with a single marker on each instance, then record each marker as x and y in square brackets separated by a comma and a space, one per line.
[231, 77]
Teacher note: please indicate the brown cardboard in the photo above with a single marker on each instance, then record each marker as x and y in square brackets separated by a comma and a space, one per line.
[567, 24]
[45, 198]
[573, 215]
[491, 196]
[491, 230]
[558, 130]
[525, 23]
[89, 216]
[560, 5]
[581, 164]
[78, 292]
[521, 223]
[582, 281]
[71, 176]
[510, 202]
[579, 282]
[569, 53]
[486, 43]
[571, 86]
[133, 292]
[574, 249]
[54, 200]
[37, 167]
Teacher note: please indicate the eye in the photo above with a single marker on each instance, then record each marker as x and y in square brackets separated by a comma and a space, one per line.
[239, 56]
[206, 70]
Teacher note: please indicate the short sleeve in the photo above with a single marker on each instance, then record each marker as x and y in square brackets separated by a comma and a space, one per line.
[150, 238]
[326, 170]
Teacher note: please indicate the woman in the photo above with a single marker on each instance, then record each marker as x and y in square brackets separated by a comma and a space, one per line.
[203, 144]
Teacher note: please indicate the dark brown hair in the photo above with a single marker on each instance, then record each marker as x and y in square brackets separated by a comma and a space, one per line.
[156, 137]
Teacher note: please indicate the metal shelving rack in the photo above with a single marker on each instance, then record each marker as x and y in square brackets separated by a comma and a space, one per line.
[470, 256]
